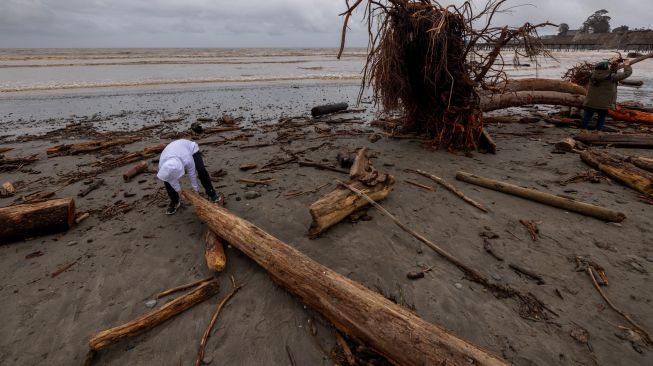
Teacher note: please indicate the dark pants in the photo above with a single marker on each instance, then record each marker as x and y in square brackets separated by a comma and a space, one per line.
[202, 174]
[589, 113]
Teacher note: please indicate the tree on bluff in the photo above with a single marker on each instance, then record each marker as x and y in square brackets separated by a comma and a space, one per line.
[599, 22]
[563, 29]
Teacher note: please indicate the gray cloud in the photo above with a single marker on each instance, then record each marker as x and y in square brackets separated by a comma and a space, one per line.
[230, 23]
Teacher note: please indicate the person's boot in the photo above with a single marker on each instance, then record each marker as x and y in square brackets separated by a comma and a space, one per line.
[216, 198]
[172, 207]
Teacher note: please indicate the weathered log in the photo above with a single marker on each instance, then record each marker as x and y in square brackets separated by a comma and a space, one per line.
[34, 219]
[90, 146]
[110, 336]
[216, 260]
[537, 84]
[328, 108]
[340, 203]
[395, 332]
[545, 198]
[631, 115]
[7, 190]
[638, 140]
[522, 98]
[628, 82]
[362, 169]
[134, 171]
[643, 163]
[8, 164]
[91, 187]
[567, 144]
[622, 171]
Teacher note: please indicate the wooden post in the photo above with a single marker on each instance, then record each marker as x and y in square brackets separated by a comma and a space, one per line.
[34, 219]
[541, 197]
[148, 321]
[393, 331]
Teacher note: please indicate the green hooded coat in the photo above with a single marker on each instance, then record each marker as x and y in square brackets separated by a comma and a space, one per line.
[602, 90]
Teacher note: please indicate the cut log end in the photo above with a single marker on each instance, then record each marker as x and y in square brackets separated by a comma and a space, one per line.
[216, 260]
[34, 219]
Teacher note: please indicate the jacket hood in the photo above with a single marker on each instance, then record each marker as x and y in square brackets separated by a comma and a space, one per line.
[171, 170]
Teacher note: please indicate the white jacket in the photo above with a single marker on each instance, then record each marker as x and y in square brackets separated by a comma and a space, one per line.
[176, 158]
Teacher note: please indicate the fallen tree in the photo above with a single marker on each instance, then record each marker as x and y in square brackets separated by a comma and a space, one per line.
[34, 219]
[395, 332]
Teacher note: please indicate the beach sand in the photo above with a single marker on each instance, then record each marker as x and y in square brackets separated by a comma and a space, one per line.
[122, 262]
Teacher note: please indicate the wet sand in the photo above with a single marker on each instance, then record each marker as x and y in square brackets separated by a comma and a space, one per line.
[123, 261]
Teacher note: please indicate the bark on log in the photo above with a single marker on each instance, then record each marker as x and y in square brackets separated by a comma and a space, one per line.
[393, 331]
[216, 260]
[622, 171]
[108, 337]
[545, 198]
[522, 98]
[616, 139]
[134, 171]
[29, 220]
[328, 108]
[340, 203]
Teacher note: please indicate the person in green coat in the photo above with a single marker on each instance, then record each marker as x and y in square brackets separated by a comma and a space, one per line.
[602, 91]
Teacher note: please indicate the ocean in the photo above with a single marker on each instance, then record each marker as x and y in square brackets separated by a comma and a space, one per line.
[44, 70]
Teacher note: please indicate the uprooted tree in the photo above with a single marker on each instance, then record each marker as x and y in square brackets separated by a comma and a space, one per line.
[424, 62]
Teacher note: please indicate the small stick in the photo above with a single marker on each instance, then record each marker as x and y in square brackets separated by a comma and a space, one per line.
[183, 287]
[254, 181]
[529, 273]
[345, 349]
[290, 357]
[451, 188]
[82, 217]
[64, 268]
[432, 189]
[531, 227]
[641, 330]
[207, 332]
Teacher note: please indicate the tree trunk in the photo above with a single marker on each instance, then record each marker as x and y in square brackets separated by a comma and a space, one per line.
[522, 98]
[216, 260]
[546, 198]
[328, 108]
[34, 219]
[108, 337]
[393, 331]
[536, 84]
[337, 205]
[616, 139]
[134, 171]
[624, 172]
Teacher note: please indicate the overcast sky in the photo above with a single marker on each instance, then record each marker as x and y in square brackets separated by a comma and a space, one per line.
[242, 23]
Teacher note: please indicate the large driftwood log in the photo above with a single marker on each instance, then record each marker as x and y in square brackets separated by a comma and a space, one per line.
[90, 146]
[110, 336]
[393, 331]
[545, 198]
[616, 139]
[216, 260]
[34, 219]
[631, 115]
[537, 84]
[624, 172]
[340, 203]
[522, 98]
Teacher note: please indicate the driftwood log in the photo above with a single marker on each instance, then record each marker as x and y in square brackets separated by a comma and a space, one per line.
[567, 144]
[34, 219]
[328, 108]
[522, 98]
[340, 203]
[395, 332]
[631, 115]
[90, 146]
[622, 171]
[7, 190]
[643, 163]
[545, 198]
[216, 260]
[128, 158]
[110, 336]
[134, 171]
[537, 84]
[616, 139]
